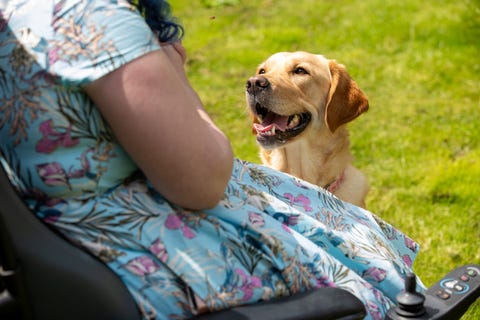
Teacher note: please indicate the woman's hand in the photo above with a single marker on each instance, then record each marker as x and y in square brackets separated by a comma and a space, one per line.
[160, 121]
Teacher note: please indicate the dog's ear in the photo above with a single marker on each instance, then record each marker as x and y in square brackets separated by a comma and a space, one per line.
[345, 100]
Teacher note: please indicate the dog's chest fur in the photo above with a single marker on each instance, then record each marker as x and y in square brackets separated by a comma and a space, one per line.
[319, 160]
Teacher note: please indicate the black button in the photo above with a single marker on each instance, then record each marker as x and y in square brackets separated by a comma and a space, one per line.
[442, 294]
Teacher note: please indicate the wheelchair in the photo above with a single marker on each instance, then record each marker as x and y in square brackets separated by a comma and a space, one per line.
[36, 284]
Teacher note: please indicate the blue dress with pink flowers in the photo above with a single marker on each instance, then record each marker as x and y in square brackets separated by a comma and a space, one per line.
[271, 235]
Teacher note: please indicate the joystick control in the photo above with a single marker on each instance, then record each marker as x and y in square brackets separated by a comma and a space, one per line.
[449, 298]
[410, 302]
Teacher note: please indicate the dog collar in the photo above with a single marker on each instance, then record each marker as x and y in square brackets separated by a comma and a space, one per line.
[335, 184]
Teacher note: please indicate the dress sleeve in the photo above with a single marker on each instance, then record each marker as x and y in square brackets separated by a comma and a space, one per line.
[91, 38]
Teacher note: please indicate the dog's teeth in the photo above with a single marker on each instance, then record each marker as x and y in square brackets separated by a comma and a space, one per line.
[270, 132]
[294, 122]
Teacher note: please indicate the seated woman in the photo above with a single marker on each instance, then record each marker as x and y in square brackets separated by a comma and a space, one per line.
[112, 147]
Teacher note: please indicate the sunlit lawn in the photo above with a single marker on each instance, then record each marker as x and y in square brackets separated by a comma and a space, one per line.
[419, 63]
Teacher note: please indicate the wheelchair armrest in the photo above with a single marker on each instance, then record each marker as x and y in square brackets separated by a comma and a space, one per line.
[323, 303]
[50, 277]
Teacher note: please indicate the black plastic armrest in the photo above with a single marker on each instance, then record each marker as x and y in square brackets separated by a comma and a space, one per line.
[323, 303]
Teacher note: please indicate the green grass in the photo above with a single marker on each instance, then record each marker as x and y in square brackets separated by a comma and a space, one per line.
[418, 61]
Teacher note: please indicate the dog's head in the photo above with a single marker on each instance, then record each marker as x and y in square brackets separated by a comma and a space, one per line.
[295, 92]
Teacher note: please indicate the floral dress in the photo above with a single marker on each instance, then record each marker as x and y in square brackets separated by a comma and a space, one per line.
[271, 235]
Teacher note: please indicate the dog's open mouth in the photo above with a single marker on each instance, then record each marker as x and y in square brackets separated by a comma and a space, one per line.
[275, 128]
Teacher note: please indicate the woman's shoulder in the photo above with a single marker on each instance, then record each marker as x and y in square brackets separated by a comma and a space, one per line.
[79, 41]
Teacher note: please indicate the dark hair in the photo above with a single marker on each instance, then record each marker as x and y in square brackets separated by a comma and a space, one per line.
[157, 14]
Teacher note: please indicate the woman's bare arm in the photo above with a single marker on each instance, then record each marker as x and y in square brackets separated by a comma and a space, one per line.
[162, 124]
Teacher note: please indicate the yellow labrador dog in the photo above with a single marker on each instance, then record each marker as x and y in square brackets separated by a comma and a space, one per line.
[300, 103]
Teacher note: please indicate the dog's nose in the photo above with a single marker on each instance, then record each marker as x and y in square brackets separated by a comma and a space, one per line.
[257, 82]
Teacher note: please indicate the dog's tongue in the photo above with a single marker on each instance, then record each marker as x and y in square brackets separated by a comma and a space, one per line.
[272, 119]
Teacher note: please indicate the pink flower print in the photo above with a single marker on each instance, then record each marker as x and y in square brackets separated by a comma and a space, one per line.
[407, 260]
[85, 167]
[57, 15]
[324, 281]
[290, 197]
[256, 282]
[51, 202]
[300, 199]
[293, 219]
[249, 284]
[3, 22]
[76, 173]
[187, 232]
[286, 228]
[410, 244]
[256, 219]
[159, 250]
[51, 215]
[374, 274]
[53, 55]
[52, 138]
[142, 266]
[58, 7]
[378, 295]
[174, 222]
[287, 218]
[52, 174]
[374, 311]
[304, 201]
[42, 75]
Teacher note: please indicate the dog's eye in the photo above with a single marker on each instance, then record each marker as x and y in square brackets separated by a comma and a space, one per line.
[300, 70]
[261, 71]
